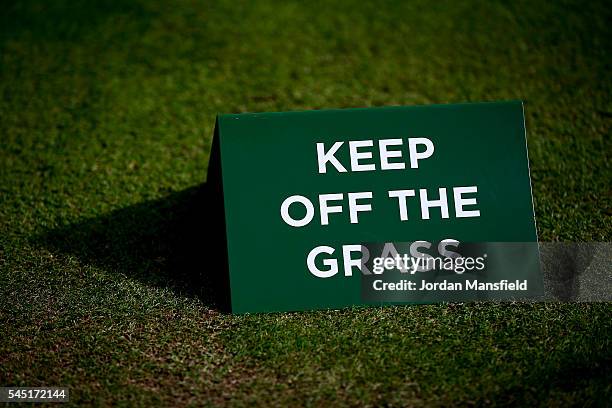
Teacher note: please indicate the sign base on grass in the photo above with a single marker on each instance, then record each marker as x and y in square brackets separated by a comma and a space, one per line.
[333, 208]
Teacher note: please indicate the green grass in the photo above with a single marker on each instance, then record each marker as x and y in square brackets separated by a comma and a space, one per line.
[106, 117]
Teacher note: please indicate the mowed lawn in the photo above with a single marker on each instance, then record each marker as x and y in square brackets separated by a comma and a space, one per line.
[106, 117]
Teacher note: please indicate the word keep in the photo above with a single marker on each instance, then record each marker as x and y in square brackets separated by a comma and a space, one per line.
[390, 154]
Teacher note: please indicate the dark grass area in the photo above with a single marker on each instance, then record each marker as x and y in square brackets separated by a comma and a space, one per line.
[106, 117]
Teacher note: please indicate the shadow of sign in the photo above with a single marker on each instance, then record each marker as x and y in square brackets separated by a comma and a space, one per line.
[176, 242]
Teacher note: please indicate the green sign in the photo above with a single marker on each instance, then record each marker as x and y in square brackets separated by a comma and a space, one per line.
[332, 208]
